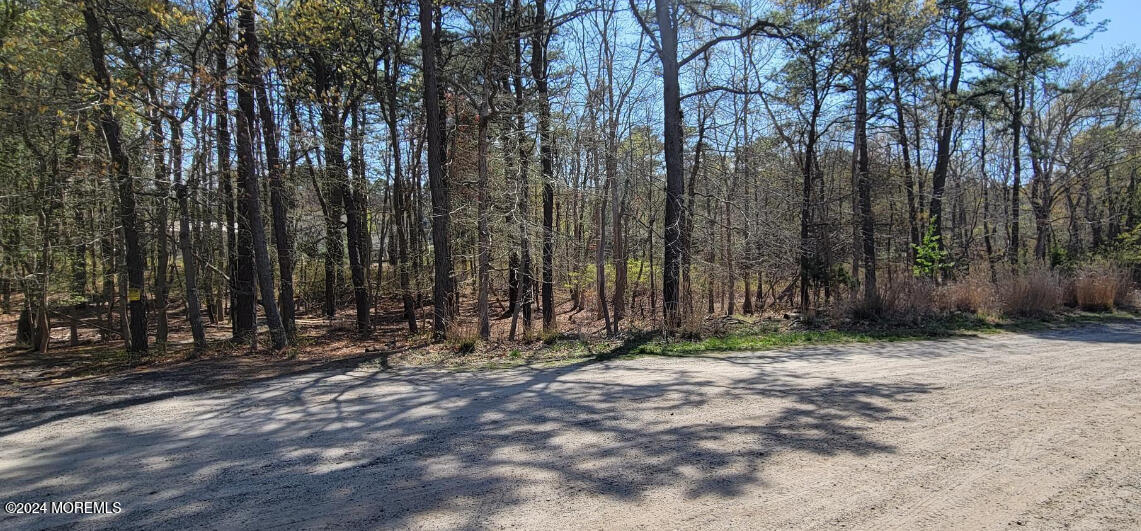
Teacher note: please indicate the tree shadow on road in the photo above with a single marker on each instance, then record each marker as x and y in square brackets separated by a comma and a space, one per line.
[421, 447]
[1117, 331]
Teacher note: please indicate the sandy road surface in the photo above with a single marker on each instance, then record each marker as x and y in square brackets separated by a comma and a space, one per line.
[1040, 430]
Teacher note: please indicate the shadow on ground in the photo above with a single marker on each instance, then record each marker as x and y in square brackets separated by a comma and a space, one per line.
[441, 449]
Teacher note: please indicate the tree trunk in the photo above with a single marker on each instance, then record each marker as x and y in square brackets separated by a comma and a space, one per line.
[946, 124]
[904, 144]
[600, 261]
[863, 177]
[125, 183]
[399, 196]
[618, 246]
[277, 200]
[1016, 170]
[189, 261]
[332, 122]
[225, 176]
[252, 202]
[675, 187]
[443, 288]
[484, 243]
[162, 255]
[539, 72]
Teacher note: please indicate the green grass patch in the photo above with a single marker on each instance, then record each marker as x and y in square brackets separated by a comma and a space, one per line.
[769, 336]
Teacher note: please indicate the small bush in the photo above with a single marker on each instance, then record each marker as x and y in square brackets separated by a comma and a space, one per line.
[1036, 292]
[549, 336]
[1101, 286]
[463, 339]
[905, 299]
[973, 294]
[930, 258]
[692, 326]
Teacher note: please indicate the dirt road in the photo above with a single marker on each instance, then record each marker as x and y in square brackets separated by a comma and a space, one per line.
[1040, 430]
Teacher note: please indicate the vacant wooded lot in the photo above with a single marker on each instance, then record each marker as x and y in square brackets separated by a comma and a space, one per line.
[563, 264]
[1040, 429]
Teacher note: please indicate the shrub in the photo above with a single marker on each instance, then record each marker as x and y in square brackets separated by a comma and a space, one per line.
[463, 339]
[549, 336]
[692, 326]
[975, 294]
[1102, 286]
[930, 258]
[907, 299]
[1035, 292]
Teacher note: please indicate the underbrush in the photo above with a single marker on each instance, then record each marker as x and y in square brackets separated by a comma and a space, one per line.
[974, 294]
[1101, 286]
[1033, 292]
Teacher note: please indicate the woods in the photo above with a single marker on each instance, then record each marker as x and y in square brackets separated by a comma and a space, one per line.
[231, 168]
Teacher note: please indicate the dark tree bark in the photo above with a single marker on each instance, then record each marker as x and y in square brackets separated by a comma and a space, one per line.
[399, 195]
[162, 254]
[120, 164]
[525, 295]
[332, 121]
[248, 179]
[359, 188]
[1016, 172]
[444, 286]
[239, 321]
[905, 146]
[282, 240]
[483, 246]
[946, 123]
[539, 38]
[675, 185]
[189, 261]
[863, 177]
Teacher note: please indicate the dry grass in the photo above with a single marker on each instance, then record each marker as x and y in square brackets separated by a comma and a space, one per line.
[1102, 286]
[463, 337]
[973, 294]
[907, 299]
[1036, 292]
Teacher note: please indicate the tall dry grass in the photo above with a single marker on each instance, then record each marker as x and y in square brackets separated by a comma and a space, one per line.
[905, 299]
[1102, 286]
[1036, 291]
[973, 294]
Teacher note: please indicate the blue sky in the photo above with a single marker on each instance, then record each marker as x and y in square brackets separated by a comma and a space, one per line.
[1124, 21]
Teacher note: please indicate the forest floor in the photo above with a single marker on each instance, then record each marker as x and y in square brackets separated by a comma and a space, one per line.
[323, 342]
[96, 372]
[1040, 428]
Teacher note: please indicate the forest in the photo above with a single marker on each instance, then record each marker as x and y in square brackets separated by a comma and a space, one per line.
[235, 174]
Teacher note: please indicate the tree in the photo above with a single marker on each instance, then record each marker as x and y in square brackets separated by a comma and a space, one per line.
[1030, 33]
[249, 190]
[443, 290]
[121, 164]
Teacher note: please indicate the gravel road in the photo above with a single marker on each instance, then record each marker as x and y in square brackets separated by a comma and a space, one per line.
[1040, 430]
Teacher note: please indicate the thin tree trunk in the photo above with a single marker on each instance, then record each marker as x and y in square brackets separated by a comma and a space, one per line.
[189, 264]
[399, 196]
[225, 176]
[443, 288]
[863, 177]
[277, 200]
[946, 124]
[904, 144]
[162, 255]
[484, 243]
[120, 163]
[546, 154]
[252, 201]
[675, 186]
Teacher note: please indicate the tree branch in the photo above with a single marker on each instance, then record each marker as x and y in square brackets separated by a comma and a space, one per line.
[763, 26]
